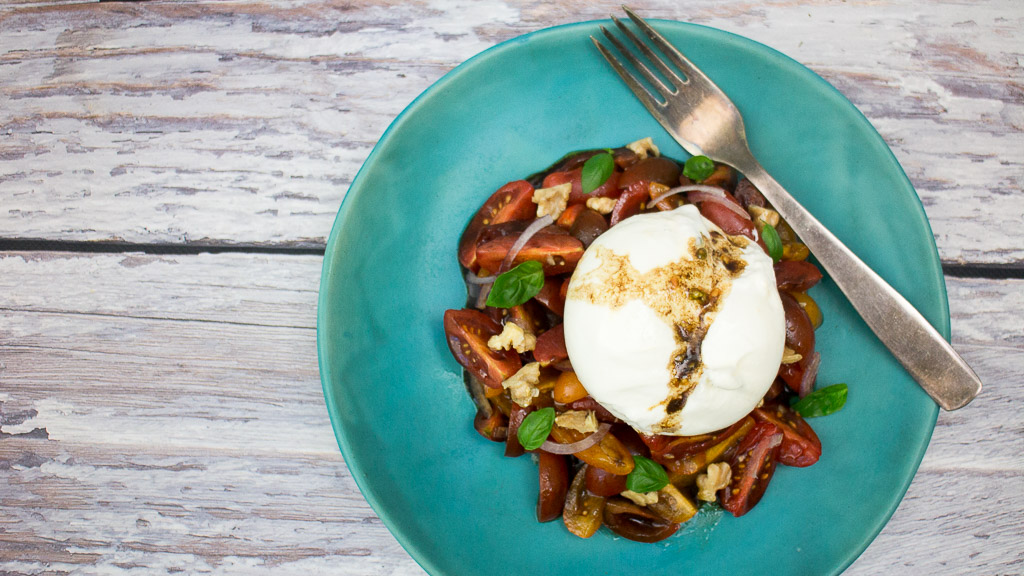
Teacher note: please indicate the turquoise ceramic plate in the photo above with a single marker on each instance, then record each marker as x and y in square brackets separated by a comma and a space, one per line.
[395, 395]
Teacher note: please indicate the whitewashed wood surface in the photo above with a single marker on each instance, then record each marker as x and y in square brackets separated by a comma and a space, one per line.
[163, 413]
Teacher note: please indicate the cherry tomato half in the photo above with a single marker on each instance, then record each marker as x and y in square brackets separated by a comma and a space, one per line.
[583, 511]
[513, 201]
[557, 252]
[752, 469]
[796, 275]
[800, 445]
[635, 522]
[553, 476]
[467, 332]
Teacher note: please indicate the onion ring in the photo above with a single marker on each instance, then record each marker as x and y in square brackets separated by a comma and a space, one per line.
[474, 279]
[591, 440]
[682, 189]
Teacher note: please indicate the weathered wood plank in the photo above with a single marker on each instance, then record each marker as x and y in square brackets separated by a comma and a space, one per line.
[165, 413]
[246, 122]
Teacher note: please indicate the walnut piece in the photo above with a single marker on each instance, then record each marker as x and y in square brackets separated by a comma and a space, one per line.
[522, 385]
[639, 499]
[584, 421]
[718, 476]
[512, 336]
[763, 216]
[552, 200]
[602, 205]
[644, 147]
[789, 356]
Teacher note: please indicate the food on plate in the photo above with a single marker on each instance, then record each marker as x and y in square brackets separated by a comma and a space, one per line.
[643, 328]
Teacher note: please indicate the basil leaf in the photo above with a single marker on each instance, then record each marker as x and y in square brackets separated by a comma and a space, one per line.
[698, 168]
[596, 171]
[535, 428]
[517, 285]
[772, 242]
[647, 476]
[823, 402]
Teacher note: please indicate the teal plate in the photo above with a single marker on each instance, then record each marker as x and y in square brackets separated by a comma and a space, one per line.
[395, 395]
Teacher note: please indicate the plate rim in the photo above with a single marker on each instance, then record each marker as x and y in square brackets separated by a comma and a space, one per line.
[330, 260]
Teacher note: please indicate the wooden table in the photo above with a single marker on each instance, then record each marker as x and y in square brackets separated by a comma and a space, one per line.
[169, 173]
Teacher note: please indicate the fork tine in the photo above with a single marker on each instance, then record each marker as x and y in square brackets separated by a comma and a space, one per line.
[651, 56]
[640, 66]
[674, 55]
[646, 97]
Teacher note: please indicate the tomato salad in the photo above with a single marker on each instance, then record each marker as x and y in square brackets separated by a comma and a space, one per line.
[518, 253]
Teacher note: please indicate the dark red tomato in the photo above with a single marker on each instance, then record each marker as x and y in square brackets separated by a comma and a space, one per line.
[604, 483]
[749, 195]
[513, 448]
[791, 374]
[467, 332]
[588, 226]
[630, 203]
[551, 346]
[493, 427]
[800, 445]
[636, 523]
[553, 474]
[558, 253]
[529, 315]
[513, 201]
[551, 295]
[651, 169]
[799, 330]
[752, 467]
[609, 189]
[588, 403]
[796, 275]
[678, 447]
[630, 439]
[730, 222]
[623, 157]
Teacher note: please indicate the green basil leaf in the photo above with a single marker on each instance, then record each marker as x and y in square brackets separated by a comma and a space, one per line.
[517, 285]
[647, 476]
[698, 168]
[535, 428]
[596, 171]
[823, 402]
[772, 242]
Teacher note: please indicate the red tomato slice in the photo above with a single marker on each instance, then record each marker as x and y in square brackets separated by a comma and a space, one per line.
[800, 445]
[631, 202]
[796, 275]
[513, 449]
[559, 253]
[799, 330]
[513, 201]
[730, 222]
[551, 295]
[610, 188]
[553, 474]
[569, 215]
[467, 332]
[752, 468]
[603, 483]
[551, 346]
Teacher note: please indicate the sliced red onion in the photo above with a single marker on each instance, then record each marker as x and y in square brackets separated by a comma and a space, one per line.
[810, 375]
[591, 440]
[703, 196]
[474, 279]
[775, 440]
[684, 189]
[537, 225]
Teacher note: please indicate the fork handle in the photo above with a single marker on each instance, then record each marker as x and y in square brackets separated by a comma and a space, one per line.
[919, 347]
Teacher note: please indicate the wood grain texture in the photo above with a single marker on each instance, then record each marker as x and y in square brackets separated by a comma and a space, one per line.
[162, 414]
[245, 122]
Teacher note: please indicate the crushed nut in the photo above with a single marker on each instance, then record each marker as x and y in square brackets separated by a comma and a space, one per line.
[584, 421]
[552, 200]
[789, 356]
[522, 385]
[763, 216]
[512, 336]
[602, 205]
[644, 147]
[718, 476]
[639, 499]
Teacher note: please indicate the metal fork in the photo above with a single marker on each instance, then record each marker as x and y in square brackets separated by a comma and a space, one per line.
[698, 115]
